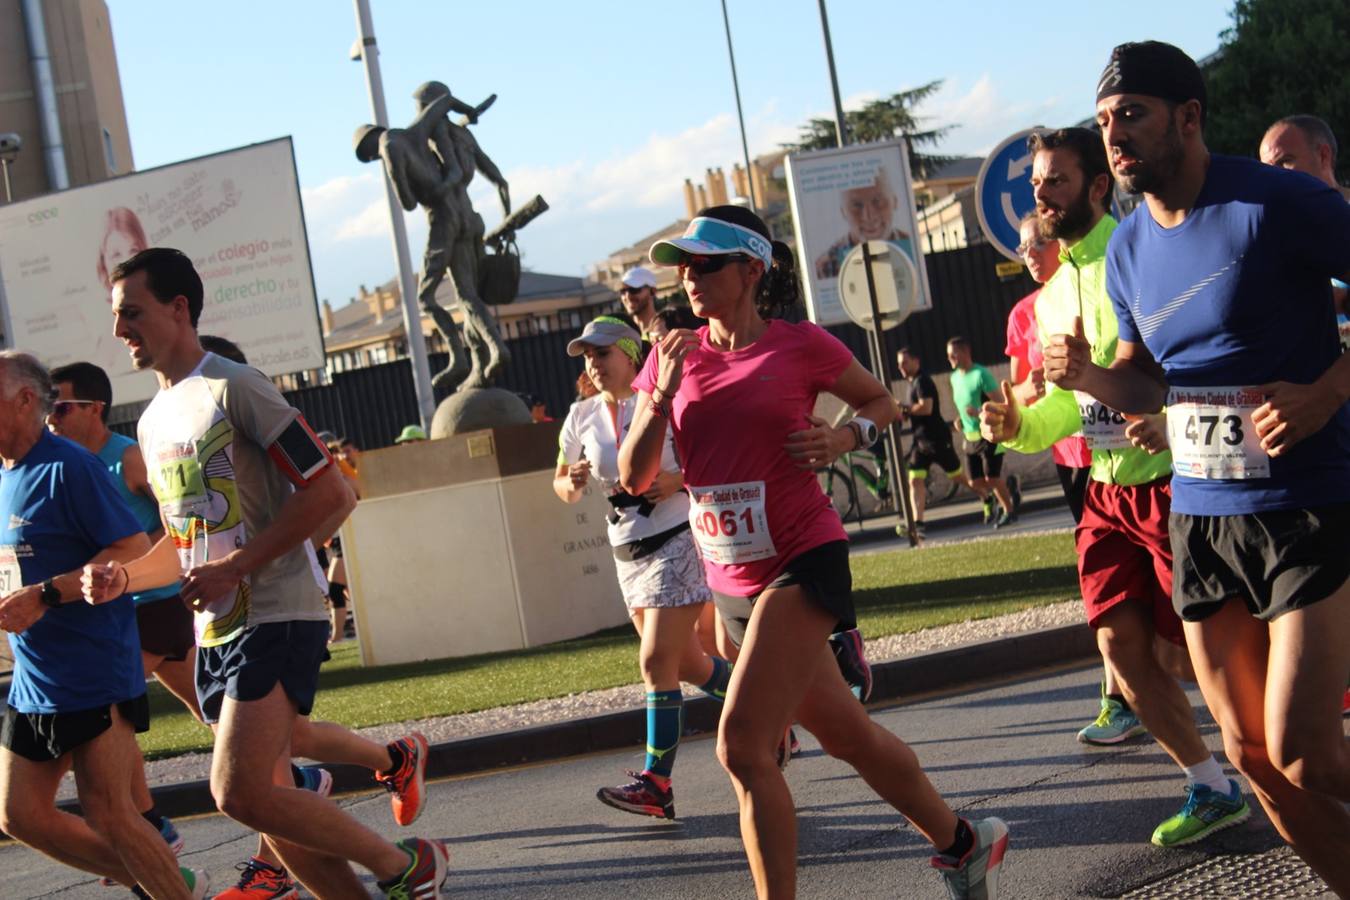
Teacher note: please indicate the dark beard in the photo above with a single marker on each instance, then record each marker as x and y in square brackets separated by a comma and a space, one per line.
[1075, 221]
[1152, 176]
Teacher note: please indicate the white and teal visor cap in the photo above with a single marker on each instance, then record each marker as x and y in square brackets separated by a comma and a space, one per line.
[706, 236]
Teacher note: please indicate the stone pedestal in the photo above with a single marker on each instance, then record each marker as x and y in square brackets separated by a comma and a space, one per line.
[459, 546]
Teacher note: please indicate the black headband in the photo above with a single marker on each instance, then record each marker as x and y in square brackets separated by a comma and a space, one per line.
[1153, 69]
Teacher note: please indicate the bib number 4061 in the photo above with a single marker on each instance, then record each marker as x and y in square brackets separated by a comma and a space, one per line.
[728, 524]
[1200, 429]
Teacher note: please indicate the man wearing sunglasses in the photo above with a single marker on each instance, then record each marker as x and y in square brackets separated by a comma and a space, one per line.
[168, 650]
[637, 292]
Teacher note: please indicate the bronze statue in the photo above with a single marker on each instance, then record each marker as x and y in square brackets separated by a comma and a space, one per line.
[430, 164]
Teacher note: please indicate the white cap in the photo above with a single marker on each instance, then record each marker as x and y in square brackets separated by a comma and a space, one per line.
[639, 277]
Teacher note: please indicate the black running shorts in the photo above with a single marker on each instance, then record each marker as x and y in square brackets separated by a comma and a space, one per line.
[43, 737]
[823, 571]
[1275, 561]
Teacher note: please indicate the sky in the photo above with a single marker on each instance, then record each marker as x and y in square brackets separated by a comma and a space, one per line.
[603, 107]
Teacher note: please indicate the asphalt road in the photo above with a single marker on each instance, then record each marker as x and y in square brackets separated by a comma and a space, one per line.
[1080, 817]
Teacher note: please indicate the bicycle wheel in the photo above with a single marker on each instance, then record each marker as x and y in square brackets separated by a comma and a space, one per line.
[867, 485]
[839, 488]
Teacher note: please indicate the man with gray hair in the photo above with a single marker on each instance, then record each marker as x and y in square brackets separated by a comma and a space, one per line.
[78, 692]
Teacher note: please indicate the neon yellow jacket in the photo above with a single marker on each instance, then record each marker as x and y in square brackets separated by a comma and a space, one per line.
[1079, 289]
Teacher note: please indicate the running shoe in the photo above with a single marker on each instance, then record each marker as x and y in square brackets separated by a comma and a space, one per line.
[1206, 811]
[428, 867]
[316, 779]
[975, 877]
[1005, 518]
[1114, 724]
[407, 782]
[642, 795]
[850, 654]
[1015, 489]
[260, 881]
[988, 509]
[197, 884]
[794, 745]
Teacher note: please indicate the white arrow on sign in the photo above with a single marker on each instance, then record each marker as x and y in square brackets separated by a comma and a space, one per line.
[1017, 166]
[1008, 213]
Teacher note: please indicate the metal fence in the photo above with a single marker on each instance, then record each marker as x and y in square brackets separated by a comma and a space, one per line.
[372, 405]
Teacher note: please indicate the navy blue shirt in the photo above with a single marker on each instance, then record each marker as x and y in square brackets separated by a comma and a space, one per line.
[59, 509]
[1239, 294]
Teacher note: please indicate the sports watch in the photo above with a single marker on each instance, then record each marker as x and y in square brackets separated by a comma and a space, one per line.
[51, 594]
[865, 429]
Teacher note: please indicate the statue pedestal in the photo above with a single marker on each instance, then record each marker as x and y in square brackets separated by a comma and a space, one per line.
[459, 546]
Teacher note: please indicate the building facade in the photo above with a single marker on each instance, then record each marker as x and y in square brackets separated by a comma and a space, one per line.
[93, 136]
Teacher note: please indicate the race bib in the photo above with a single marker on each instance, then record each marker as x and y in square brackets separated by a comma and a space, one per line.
[1103, 427]
[729, 522]
[179, 485]
[11, 577]
[1211, 433]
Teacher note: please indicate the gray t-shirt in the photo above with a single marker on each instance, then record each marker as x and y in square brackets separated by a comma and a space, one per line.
[205, 442]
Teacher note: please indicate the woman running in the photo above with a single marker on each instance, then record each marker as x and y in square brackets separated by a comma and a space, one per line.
[739, 396]
[659, 571]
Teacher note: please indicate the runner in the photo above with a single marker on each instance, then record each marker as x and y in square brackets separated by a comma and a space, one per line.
[1124, 559]
[775, 553]
[242, 485]
[163, 623]
[932, 438]
[1115, 720]
[1258, 424]
[658, 567]
[78, 689]
[972, 384]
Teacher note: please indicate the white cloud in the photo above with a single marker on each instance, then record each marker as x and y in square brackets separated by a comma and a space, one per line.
[982, 115]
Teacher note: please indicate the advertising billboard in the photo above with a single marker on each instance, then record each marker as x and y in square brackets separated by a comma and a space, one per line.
[841, 197]
[237, 214]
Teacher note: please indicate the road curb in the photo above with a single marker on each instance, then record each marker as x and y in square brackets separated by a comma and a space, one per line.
[892, 681]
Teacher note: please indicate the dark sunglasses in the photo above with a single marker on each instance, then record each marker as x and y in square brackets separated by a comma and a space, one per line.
[61, 407]
[629, 289]
[706, 265]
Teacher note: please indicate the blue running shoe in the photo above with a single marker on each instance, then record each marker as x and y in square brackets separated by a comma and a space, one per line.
[850, 655]
[316, 779]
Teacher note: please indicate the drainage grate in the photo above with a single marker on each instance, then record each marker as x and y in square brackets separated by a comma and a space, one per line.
[1262, 876]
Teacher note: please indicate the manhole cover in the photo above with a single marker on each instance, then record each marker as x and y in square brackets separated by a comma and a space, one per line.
[1276, 875]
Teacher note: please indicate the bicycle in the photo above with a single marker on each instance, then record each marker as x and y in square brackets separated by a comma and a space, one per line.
[840, 483]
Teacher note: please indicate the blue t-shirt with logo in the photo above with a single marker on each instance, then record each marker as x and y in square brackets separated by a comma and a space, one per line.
[142, 507]
[59, 509]
[1239, 294]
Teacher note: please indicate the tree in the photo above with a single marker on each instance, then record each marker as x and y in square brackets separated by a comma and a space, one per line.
[883, 120]
[1281, 57]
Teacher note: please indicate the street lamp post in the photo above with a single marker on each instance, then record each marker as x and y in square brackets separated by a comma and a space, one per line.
[10, 145]
[367, 52]
[740, 116]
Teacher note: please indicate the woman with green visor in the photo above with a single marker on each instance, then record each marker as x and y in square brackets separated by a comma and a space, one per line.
[659, 571]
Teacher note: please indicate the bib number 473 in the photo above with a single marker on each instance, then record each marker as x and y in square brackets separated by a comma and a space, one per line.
[1200, 429]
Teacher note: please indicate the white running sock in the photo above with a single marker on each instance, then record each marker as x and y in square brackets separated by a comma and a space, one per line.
[1210, 774]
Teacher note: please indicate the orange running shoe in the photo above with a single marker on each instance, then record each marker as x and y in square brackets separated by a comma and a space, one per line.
[407, 781]
[259, 881]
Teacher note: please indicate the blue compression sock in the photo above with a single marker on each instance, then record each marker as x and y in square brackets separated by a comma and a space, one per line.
[665, 721]
[716, 685]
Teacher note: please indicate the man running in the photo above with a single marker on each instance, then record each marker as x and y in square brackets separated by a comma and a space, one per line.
[78, 693]
[932, 437]
[163, 623]
[972, 384]
[243, 485]
[1124, 560]
[637, 293]
[1220, 283]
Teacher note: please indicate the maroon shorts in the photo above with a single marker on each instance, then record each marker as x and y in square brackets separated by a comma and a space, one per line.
[1125, 552]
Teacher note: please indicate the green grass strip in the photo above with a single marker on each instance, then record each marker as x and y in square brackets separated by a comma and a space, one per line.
[895, 593]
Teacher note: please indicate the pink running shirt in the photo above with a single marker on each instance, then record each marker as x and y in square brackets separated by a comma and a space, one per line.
[732, 415]
[1024, 343]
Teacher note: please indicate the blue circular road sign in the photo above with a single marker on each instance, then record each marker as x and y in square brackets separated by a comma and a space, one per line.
[1003, 192]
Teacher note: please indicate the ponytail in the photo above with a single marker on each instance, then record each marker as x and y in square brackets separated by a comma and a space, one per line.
[779, 294]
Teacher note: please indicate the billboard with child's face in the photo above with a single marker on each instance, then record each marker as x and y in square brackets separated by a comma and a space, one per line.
[236, 214]
[840, 198]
